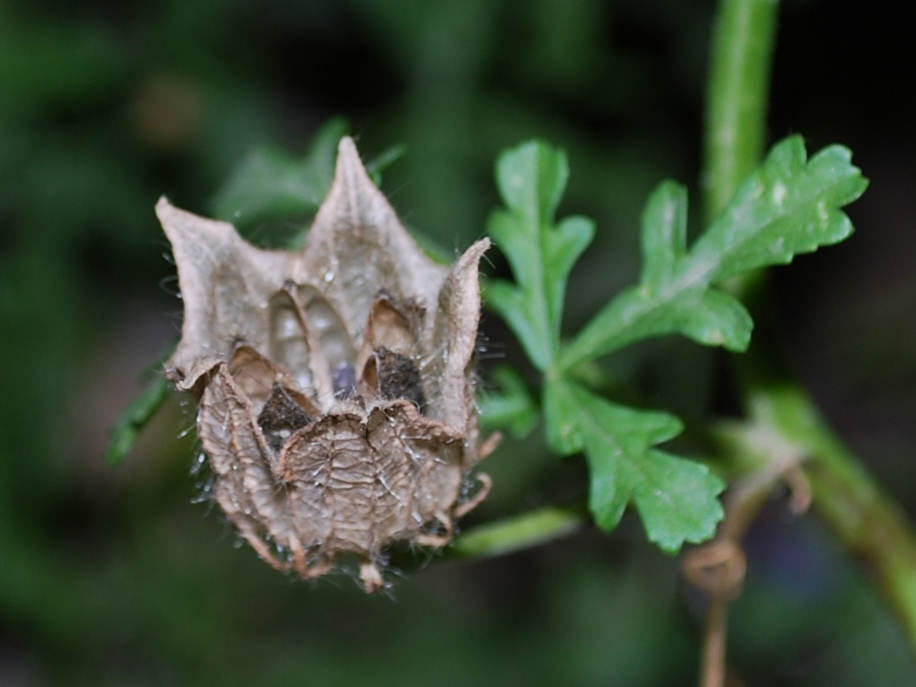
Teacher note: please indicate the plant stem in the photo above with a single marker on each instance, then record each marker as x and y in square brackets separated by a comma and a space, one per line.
[512, 534]
[736, 103]
[862, 517]
[869, 524]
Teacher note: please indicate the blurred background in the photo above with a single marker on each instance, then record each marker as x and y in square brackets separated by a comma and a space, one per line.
[124, 576]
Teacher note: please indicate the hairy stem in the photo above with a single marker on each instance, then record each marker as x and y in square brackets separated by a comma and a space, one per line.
[861, 515]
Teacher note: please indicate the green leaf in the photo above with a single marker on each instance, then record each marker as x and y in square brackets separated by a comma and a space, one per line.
[717, 319]
[383, 161]
[562, 248]
[513, 408]
[531, 179]
[269, 182]
[523, 317]
[709, 317]
[676, 498]
[786, 207]
[664, 232]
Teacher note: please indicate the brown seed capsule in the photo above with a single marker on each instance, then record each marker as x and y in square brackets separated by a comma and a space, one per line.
[336, 383]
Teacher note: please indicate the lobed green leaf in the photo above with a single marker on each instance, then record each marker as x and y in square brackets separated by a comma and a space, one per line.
[562, 248]
[786, 207]
[525, 318]
[676, 498]
[531, 179]
[664, 232]
[522, 305]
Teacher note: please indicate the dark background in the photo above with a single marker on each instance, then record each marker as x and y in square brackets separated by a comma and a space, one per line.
[111, 576]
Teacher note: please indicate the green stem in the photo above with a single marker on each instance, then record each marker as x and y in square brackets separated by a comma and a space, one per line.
[520, 532]
[860, 514]
[736, 103]
[866, 520]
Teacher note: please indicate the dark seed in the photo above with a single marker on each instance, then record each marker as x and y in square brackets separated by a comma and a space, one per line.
[280, 417]
[398, 377]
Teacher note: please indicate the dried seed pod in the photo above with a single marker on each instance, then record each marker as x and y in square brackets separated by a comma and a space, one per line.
[336, 383]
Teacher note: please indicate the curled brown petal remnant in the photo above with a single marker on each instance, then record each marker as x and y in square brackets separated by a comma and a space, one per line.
[336, 383]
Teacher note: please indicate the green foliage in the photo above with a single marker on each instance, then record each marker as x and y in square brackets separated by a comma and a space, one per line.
[513, 407]
[531, 181]
[786, 207]
[268, 182]
[789, 205]
[675, 497]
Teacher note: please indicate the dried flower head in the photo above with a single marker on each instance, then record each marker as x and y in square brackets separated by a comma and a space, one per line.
[336, 384]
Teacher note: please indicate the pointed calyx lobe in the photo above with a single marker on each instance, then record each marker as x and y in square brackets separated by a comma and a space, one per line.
[336, 383]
